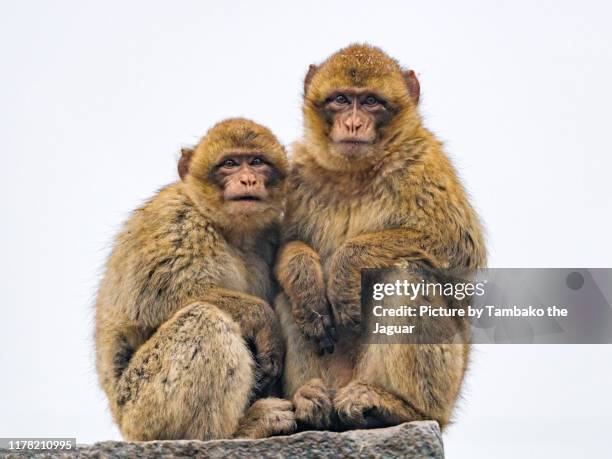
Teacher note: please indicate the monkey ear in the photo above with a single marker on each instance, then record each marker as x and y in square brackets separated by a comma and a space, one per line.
[312, 69]
[414, 88]
[184, 161]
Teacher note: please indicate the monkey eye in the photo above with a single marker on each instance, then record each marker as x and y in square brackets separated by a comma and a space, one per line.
[341, 99]
[257, 161]
[229, 162]
[371, 100]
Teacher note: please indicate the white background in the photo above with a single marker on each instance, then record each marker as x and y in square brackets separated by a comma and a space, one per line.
[98, 97]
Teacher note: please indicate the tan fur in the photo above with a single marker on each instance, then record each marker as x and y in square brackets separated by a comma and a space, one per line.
[185, 285]
[400, 204]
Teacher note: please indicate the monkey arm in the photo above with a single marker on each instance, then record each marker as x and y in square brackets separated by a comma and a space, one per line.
[381, 249]
[300, 274]
[259, 325]
[250, 312]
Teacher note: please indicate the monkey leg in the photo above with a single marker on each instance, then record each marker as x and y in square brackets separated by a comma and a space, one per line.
[301, 362]
[396, 383]
[304, 374]
[191, 380]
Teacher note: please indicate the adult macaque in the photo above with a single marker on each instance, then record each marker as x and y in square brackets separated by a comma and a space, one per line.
[369, 187]
[186, 297]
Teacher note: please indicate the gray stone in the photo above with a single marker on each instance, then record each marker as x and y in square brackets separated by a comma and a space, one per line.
[410, 440]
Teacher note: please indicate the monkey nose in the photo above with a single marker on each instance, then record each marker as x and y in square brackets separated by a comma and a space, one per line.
[353, 123]
[248, 180]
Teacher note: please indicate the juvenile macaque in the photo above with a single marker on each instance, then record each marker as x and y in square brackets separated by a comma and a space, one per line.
[185, 336]
[369, 187]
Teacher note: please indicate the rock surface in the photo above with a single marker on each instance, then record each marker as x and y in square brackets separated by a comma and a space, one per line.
[410, 440]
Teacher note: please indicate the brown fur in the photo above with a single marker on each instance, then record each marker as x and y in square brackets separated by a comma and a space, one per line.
[186, 289]
[398, 204]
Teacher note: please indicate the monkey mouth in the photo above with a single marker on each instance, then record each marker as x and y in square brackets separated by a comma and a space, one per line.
[247, 197]
[354, 142]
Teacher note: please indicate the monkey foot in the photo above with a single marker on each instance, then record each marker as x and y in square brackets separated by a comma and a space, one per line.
[268, 417]
[354, 402]
[313, 405]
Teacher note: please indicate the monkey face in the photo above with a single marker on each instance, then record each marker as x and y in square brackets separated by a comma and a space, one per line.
[356, 118]
[356, 104]
[245, 180]
[238, 169]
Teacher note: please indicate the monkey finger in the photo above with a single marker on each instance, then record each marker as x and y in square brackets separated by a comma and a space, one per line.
[322, 345]
[320, 351]
[330, 329]
[330, 349]
[327, 345]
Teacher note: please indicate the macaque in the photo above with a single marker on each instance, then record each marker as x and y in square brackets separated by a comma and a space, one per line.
[187, 343]
[368, 187]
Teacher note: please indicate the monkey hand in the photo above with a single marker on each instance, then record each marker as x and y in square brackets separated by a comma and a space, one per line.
[345, 303]
[269, 350]
[384, 249]
[314, 320]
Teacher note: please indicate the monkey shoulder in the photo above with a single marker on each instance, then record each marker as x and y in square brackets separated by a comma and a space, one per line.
[167, 253]
[170, 223]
